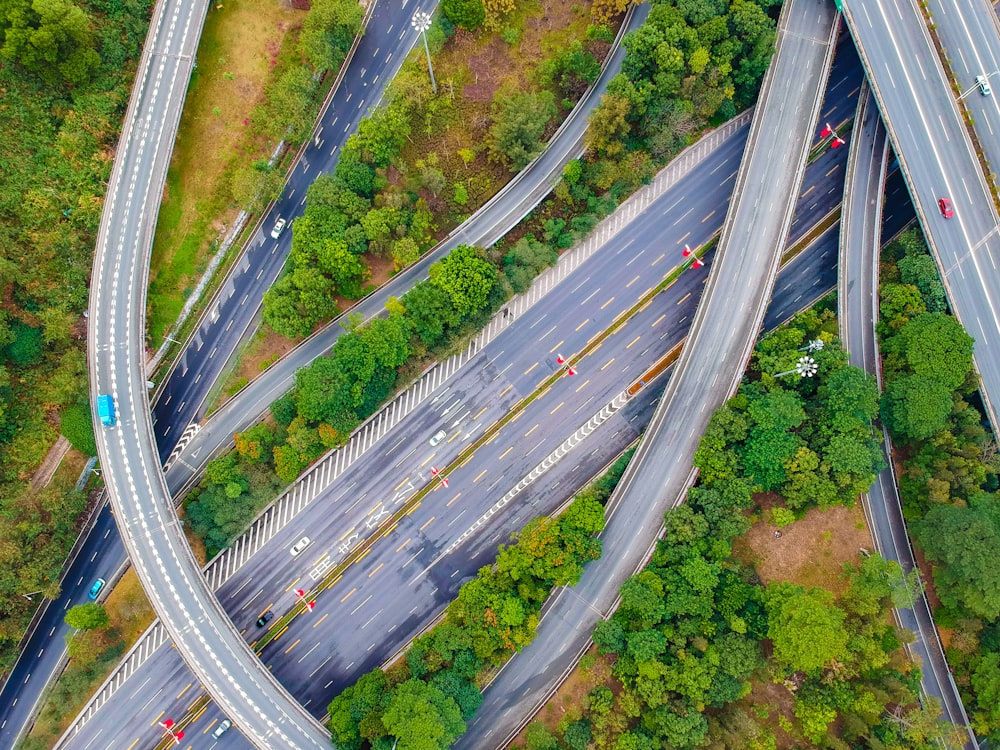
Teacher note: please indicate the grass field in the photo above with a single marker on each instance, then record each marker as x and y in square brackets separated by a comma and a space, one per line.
[236, 56]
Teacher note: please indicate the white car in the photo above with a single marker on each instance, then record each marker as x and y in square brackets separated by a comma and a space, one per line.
[984, 85]
[438, 437]
[279, 227]
[222, 728]
[300, 545]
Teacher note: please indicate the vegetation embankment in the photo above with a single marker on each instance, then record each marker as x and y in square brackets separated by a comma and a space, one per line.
[65, 73]
[648, 115]
[262, 74]
[948, 468]
[424, 700]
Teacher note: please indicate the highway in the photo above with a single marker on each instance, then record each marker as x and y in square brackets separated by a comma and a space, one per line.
[102, 553]
[262, 582]
[710, 368]
[487, 225]
[144, 509]
[234, 309]
[968, 33]
[857, 300]
[934, 150]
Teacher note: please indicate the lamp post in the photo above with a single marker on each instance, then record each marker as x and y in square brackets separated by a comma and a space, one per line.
[805, 368]
[421, 21]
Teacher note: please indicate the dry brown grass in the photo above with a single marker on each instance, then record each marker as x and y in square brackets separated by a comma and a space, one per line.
[810, 552]
[236, 57]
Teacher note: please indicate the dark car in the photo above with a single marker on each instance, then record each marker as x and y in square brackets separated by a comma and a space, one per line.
[265, 618]
[945, 205]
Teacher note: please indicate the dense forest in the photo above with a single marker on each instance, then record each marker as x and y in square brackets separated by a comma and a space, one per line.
[948, 468]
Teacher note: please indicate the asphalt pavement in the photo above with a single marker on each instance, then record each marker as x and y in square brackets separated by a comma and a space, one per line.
[249, 593]
[710, 367]
[857, 316]
[232, 312]
[929, 138]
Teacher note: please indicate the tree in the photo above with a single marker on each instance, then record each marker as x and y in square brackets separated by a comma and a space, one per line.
[609, 127]
[466, 277]
[421, 717]
[519, 121]
[328, 32]
[899, 302]
[572, 71]
[89, 616]
[914, 407]
[936, 346]
[962, 541]
[986, 682]
[850, 400]
[50, 37]
[431, 311]
[920, 271]
[469, 14]
[343, 267]
[806, 628]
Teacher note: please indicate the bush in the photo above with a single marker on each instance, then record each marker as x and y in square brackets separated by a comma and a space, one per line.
[78, 427]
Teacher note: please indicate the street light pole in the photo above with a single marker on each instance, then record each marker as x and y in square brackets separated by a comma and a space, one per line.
[421, 21]
[805, 368]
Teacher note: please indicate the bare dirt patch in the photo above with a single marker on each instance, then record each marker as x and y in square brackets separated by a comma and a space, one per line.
[487, 67]
[810, 552]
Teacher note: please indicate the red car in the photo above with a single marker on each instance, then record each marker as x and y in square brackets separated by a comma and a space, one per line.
[946, 210]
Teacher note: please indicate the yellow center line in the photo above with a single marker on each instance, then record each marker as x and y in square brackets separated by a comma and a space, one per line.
[390, 530]
[607, 303]
[374, 507]
[481, 412]
[363, 555]
[631, 282]
[531, 368]
[811, 188]
[504, 391]
[410, 511]
[633, 341]
[396, 488]
[348, 595]
[376, 569]
[835, 166]
[457, 495]
[583, 324]
[658, 321]
[558, 407]
[297, 642]
[608, 364]
[502, 455]
[481, 475]
[531, 430]
[516, 417]
[556, 347]
[582, 385]
[664, 255]
[682, 239]
[184, 691]
[683, 298]
[325, 615]
[156, 719]
[708, 217]
[472, 456]
[346, 534]
[427, 460]
[292, 584]
[133, 744]
[431, 519]
[400, 547]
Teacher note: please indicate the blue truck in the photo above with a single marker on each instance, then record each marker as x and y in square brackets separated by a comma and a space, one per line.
[106, 410]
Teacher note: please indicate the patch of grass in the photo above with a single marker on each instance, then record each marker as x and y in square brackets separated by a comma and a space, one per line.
[236, 61]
